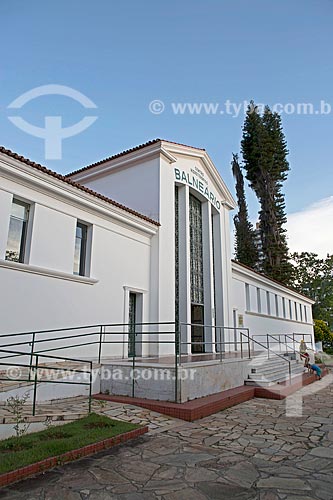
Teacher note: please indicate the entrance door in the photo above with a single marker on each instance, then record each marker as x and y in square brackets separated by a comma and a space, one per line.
[234, 315]
[197, 332]
[131, 324]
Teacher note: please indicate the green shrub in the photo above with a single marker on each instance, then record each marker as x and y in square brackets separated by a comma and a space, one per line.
[323, 334]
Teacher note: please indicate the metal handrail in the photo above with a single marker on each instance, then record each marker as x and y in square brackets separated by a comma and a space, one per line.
[275, 353]
[268, 336]
[99, 336]
[35, 367]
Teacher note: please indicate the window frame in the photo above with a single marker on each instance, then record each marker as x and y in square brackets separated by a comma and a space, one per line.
[83, 267]
[24, 236]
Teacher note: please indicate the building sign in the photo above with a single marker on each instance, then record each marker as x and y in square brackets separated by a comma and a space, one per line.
[196, 179]
[240, 320]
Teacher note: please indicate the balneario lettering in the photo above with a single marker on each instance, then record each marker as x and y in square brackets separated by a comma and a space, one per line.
[197, 184]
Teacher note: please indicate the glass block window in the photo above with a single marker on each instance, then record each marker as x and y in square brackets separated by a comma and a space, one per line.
[214, 280]
[17, 233]
[176, 256]
[196, 252]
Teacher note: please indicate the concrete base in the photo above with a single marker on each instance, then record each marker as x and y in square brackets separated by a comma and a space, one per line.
[164, 383]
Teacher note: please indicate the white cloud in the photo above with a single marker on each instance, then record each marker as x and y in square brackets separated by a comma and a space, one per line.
[311, 230]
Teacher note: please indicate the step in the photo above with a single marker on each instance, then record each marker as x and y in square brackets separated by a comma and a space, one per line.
[272, 369]
[270, 381]
[270, 361]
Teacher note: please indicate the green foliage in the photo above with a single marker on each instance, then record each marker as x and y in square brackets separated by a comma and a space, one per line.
[265, 152]
[15, 406]
[313, 277]
[323, 333]
[25, 450]
[245, 249]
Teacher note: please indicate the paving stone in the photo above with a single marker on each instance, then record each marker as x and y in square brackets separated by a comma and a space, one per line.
[197, 474]
[108, 477]
[220, 491]
[322, 451]
[251, 452]
[183, 458]
[186, 494]
[283, 483]
[244, 474]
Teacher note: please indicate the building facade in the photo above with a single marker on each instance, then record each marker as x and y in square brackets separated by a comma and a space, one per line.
[160, 254]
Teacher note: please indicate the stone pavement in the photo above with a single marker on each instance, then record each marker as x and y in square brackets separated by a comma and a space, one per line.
[250, 452]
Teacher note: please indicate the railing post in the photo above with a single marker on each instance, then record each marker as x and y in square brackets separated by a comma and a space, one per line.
[289, 372]
[177, 348]
[90, 386]
[100, 344]
[241, 346]
[31, 353]
[221, 356]
[248, 343]
[133, 365]
[35, 387]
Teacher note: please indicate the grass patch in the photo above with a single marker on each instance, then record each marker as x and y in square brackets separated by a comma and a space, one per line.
[25, 450]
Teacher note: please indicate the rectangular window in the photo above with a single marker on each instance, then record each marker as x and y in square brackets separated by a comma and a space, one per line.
[290, 310]
[268, 299]
[17, 235]
[80, 252]
[301, 312]
[196, 252]
[296, 312]
[284, 307]
[258, 300]
[305, 315]
[276, 305]
[247, 297]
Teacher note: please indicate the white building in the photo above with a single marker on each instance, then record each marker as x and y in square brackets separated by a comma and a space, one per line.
[70, 256]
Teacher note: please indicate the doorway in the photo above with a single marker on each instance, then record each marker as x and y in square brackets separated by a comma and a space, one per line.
[132, 313]
[197, 331]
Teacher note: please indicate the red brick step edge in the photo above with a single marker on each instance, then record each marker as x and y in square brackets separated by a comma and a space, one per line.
[29, 470]
[208, 405]
[190, 410]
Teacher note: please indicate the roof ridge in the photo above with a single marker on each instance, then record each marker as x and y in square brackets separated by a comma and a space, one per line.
[75, 184]
[125, 152]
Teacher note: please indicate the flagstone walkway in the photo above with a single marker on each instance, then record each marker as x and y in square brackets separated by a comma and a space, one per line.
[254, 451]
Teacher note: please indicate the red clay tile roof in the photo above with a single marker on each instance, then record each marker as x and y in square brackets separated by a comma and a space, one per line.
[127, 151]
[45, 170]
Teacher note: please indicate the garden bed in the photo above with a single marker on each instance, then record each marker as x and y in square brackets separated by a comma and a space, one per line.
[33, 453]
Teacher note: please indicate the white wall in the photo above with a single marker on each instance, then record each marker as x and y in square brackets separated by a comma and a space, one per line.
[43, 293]
[136, 185]
[264, 323]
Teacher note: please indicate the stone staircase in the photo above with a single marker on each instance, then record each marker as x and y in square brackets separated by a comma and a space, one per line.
[266, 371]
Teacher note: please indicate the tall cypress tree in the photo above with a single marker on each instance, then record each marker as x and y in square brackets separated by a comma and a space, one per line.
[245, 247]
[265, 152]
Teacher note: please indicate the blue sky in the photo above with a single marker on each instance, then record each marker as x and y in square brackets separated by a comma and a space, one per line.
[123, 55]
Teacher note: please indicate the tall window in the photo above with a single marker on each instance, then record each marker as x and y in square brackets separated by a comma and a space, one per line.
[284, 307]
[276, 305]
[268, 299]
[290, 309]
[196, 251]
[176, 256]
[247, 297]
[80, 249]
[258, 300]
[17, 234]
